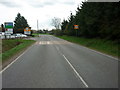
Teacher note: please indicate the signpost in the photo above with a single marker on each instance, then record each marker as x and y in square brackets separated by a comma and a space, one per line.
[27, 31]
[76, 27]
[8, 27]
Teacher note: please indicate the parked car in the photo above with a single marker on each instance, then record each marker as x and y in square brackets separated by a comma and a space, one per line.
[12, 36]
[17, 35]
[23, 35]
[2, 36]
[20, 35]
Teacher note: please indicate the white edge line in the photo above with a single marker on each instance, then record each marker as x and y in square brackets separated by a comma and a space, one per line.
[102, 53]
[15, 60]
[95, 51]
[76, 72]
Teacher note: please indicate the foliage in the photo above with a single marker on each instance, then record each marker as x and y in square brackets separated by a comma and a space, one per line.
[56, 22]
[11, 51]
[20, 24]
[95, 19]
[3, 29]
[58, 32]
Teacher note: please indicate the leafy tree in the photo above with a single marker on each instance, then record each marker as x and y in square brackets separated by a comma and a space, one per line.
[95, 19]
[20, 24]
[2, 27]
[56, 22]
[64, 25]
[69, 27]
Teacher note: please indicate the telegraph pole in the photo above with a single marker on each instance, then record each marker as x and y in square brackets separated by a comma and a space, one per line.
[37, 25]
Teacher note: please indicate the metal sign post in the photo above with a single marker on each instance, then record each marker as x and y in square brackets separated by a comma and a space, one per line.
[76, 27]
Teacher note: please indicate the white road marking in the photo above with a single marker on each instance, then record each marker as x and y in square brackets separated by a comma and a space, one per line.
[14, 60]
[48, 42]
[93, 50]
[76, 72]
[101, 53]
[40, 42]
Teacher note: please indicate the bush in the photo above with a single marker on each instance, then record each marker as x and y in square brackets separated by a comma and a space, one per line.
[58, 32]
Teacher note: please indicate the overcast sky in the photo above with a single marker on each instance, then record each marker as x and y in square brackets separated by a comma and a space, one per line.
[41, 10]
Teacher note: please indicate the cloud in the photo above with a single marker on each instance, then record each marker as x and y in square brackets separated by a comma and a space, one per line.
[40, 3]
[9, 3]
[43, 3]
[68, 2]
[33, 10]
[35, 3]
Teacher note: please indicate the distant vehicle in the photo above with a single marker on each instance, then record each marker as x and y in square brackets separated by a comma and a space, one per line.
[20, 35]
[2, 33]
[23, 35]
[12, 36]
[2, 36]
[8, 36]
[17, 35]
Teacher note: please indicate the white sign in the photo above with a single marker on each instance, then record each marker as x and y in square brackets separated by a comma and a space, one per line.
[9, 30]
[27, 31]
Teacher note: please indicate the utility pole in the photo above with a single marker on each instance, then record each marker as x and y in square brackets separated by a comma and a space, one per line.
[37, 25]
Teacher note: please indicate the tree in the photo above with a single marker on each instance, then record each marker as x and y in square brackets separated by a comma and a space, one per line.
[20, 24]
[64, 25]
[95, 20]
[69, 26]
[56, 22]
[3, 29]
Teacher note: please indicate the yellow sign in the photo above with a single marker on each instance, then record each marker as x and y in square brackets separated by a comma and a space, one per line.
[76, 27]
[27, 30]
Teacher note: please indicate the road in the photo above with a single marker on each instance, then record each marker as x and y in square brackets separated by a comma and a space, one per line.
[55, 63]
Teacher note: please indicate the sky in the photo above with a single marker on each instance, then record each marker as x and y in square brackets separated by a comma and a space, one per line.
[42, 10]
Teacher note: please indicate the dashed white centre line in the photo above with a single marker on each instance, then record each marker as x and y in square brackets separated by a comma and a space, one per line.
[76, 72]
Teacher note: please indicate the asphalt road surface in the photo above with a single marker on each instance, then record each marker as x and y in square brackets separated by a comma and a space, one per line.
[55, 63]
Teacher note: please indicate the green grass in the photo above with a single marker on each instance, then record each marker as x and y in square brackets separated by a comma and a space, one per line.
[11, 43]
[12, 48]
[44, 34]
[105, 46]
[36, 34]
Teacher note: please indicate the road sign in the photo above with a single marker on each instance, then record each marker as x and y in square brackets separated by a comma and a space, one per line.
[8, 24]
[8, 27]
[27, 31]
[9, 30]
[76, 27]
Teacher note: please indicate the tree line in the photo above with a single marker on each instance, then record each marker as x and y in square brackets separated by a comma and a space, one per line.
[95, 19]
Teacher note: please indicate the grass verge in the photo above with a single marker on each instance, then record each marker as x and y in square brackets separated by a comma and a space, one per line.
[13, 49]
[37, 34]
[105, 46]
